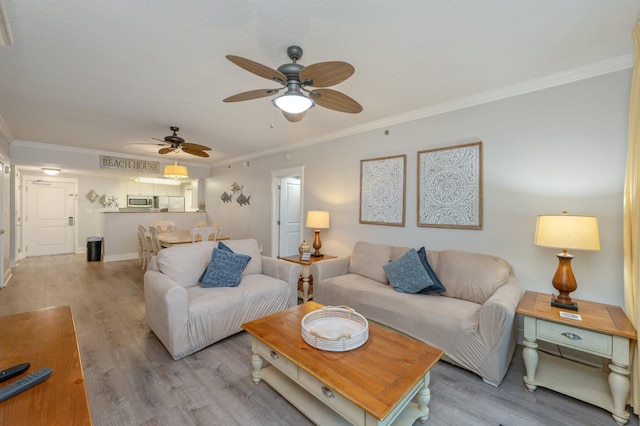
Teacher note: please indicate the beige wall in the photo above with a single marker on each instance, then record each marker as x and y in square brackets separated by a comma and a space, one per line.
[557, 149]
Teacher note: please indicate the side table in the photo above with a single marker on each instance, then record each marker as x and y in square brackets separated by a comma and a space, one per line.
[604, 330]
[306, 272]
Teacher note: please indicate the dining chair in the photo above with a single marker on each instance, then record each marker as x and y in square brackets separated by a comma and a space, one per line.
[155, 241]
[204, 232]
[165, 225]
[144, 244]
[218, 229]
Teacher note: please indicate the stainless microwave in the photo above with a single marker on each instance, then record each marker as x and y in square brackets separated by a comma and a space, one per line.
[139, 201]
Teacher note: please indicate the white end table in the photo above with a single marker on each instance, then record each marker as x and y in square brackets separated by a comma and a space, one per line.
[603, 330]
[305, 295]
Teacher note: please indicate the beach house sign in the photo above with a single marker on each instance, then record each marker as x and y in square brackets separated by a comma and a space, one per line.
[130, 164]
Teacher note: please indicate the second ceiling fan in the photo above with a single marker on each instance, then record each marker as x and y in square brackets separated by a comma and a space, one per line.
[297, 78]
[174, 142]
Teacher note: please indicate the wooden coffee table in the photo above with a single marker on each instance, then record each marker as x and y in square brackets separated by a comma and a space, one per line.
[374, 384]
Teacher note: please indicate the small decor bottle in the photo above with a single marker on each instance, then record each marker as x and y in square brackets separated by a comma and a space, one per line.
[304, 248]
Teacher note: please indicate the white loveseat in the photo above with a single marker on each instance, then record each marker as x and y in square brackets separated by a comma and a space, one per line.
[472, 321]
[187, 317]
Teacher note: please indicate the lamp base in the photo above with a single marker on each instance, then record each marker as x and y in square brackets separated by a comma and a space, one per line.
[572, 306]
[317, 255]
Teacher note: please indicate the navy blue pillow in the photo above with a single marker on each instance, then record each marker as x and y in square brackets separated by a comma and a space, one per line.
[225, 269]
[406, 274]
[221, 246]
[436, 286]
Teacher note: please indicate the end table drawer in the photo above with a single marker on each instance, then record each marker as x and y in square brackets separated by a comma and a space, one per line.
[277, 360]
[331, 398]
[576, 338]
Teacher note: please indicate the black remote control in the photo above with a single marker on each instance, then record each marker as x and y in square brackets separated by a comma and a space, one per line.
[13, 371]
[21, 385]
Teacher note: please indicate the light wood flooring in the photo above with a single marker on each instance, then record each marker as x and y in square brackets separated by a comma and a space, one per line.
[132, 380]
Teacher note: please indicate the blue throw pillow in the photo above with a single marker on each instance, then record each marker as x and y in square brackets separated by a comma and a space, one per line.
[225, 269]
[221, 246]
[406, 274]
[436, 286]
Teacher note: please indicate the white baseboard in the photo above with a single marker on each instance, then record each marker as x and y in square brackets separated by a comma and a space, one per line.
[117, 257]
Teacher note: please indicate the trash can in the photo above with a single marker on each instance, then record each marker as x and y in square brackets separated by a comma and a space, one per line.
[94, 249]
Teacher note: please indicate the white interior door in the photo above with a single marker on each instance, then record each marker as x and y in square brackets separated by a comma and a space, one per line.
[290, 216]
[50, 219]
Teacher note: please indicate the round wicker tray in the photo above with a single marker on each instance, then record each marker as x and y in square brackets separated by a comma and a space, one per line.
[335, 328]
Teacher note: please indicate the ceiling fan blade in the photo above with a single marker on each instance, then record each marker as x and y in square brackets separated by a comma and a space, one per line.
[166, 150]
[294, 117]
[195, 146]
[195, 152]
[252, 94]
[258, 69]
[335, 100]
[325, 74]
[161, 140]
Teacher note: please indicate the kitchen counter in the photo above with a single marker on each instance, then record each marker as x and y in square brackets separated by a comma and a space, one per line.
[119, 229]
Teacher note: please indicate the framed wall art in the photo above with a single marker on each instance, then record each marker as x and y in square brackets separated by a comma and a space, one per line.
[382, 190]
[450, 187]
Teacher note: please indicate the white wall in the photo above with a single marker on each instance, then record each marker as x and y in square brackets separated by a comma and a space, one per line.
[557, 149]
[89, 176]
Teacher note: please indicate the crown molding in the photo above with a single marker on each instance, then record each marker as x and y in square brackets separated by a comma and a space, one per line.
[6, 38]
[5, 139]
[5, 133]
[89, 151]
[611, 65]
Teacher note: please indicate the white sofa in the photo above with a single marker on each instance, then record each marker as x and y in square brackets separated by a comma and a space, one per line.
[187, 317]
[472, 321]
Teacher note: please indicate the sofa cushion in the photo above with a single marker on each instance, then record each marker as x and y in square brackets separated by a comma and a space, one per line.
[368, 259]
[398, 251]
[406, 274]
[435, 284]
[471, 276]
[225, 269]
[250, 248]
[184, 263]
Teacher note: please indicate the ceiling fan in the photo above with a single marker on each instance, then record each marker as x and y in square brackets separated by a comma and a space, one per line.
[175, 142]
[297, 78]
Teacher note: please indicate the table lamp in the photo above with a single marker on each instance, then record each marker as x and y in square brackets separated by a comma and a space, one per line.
[566, 232]
[319, 220]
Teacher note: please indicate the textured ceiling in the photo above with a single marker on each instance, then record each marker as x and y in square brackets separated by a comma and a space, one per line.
[106, 74]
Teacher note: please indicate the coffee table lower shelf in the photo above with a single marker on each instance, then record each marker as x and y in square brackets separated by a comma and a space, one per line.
[406, 413]
[301, 399]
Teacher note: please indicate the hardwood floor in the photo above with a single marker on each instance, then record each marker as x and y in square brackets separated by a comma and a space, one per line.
[132, 380]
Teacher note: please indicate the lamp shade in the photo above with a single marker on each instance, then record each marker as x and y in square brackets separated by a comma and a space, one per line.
[176, 171]
[567, 232]
[293, 102]
[317, 219]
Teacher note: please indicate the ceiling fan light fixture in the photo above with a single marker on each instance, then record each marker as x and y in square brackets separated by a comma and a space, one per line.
[293, 102]
[176, 171]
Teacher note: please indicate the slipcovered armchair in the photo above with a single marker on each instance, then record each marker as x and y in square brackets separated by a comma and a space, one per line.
[187, 316]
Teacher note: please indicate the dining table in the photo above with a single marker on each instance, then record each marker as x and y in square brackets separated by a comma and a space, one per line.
[181, 236]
